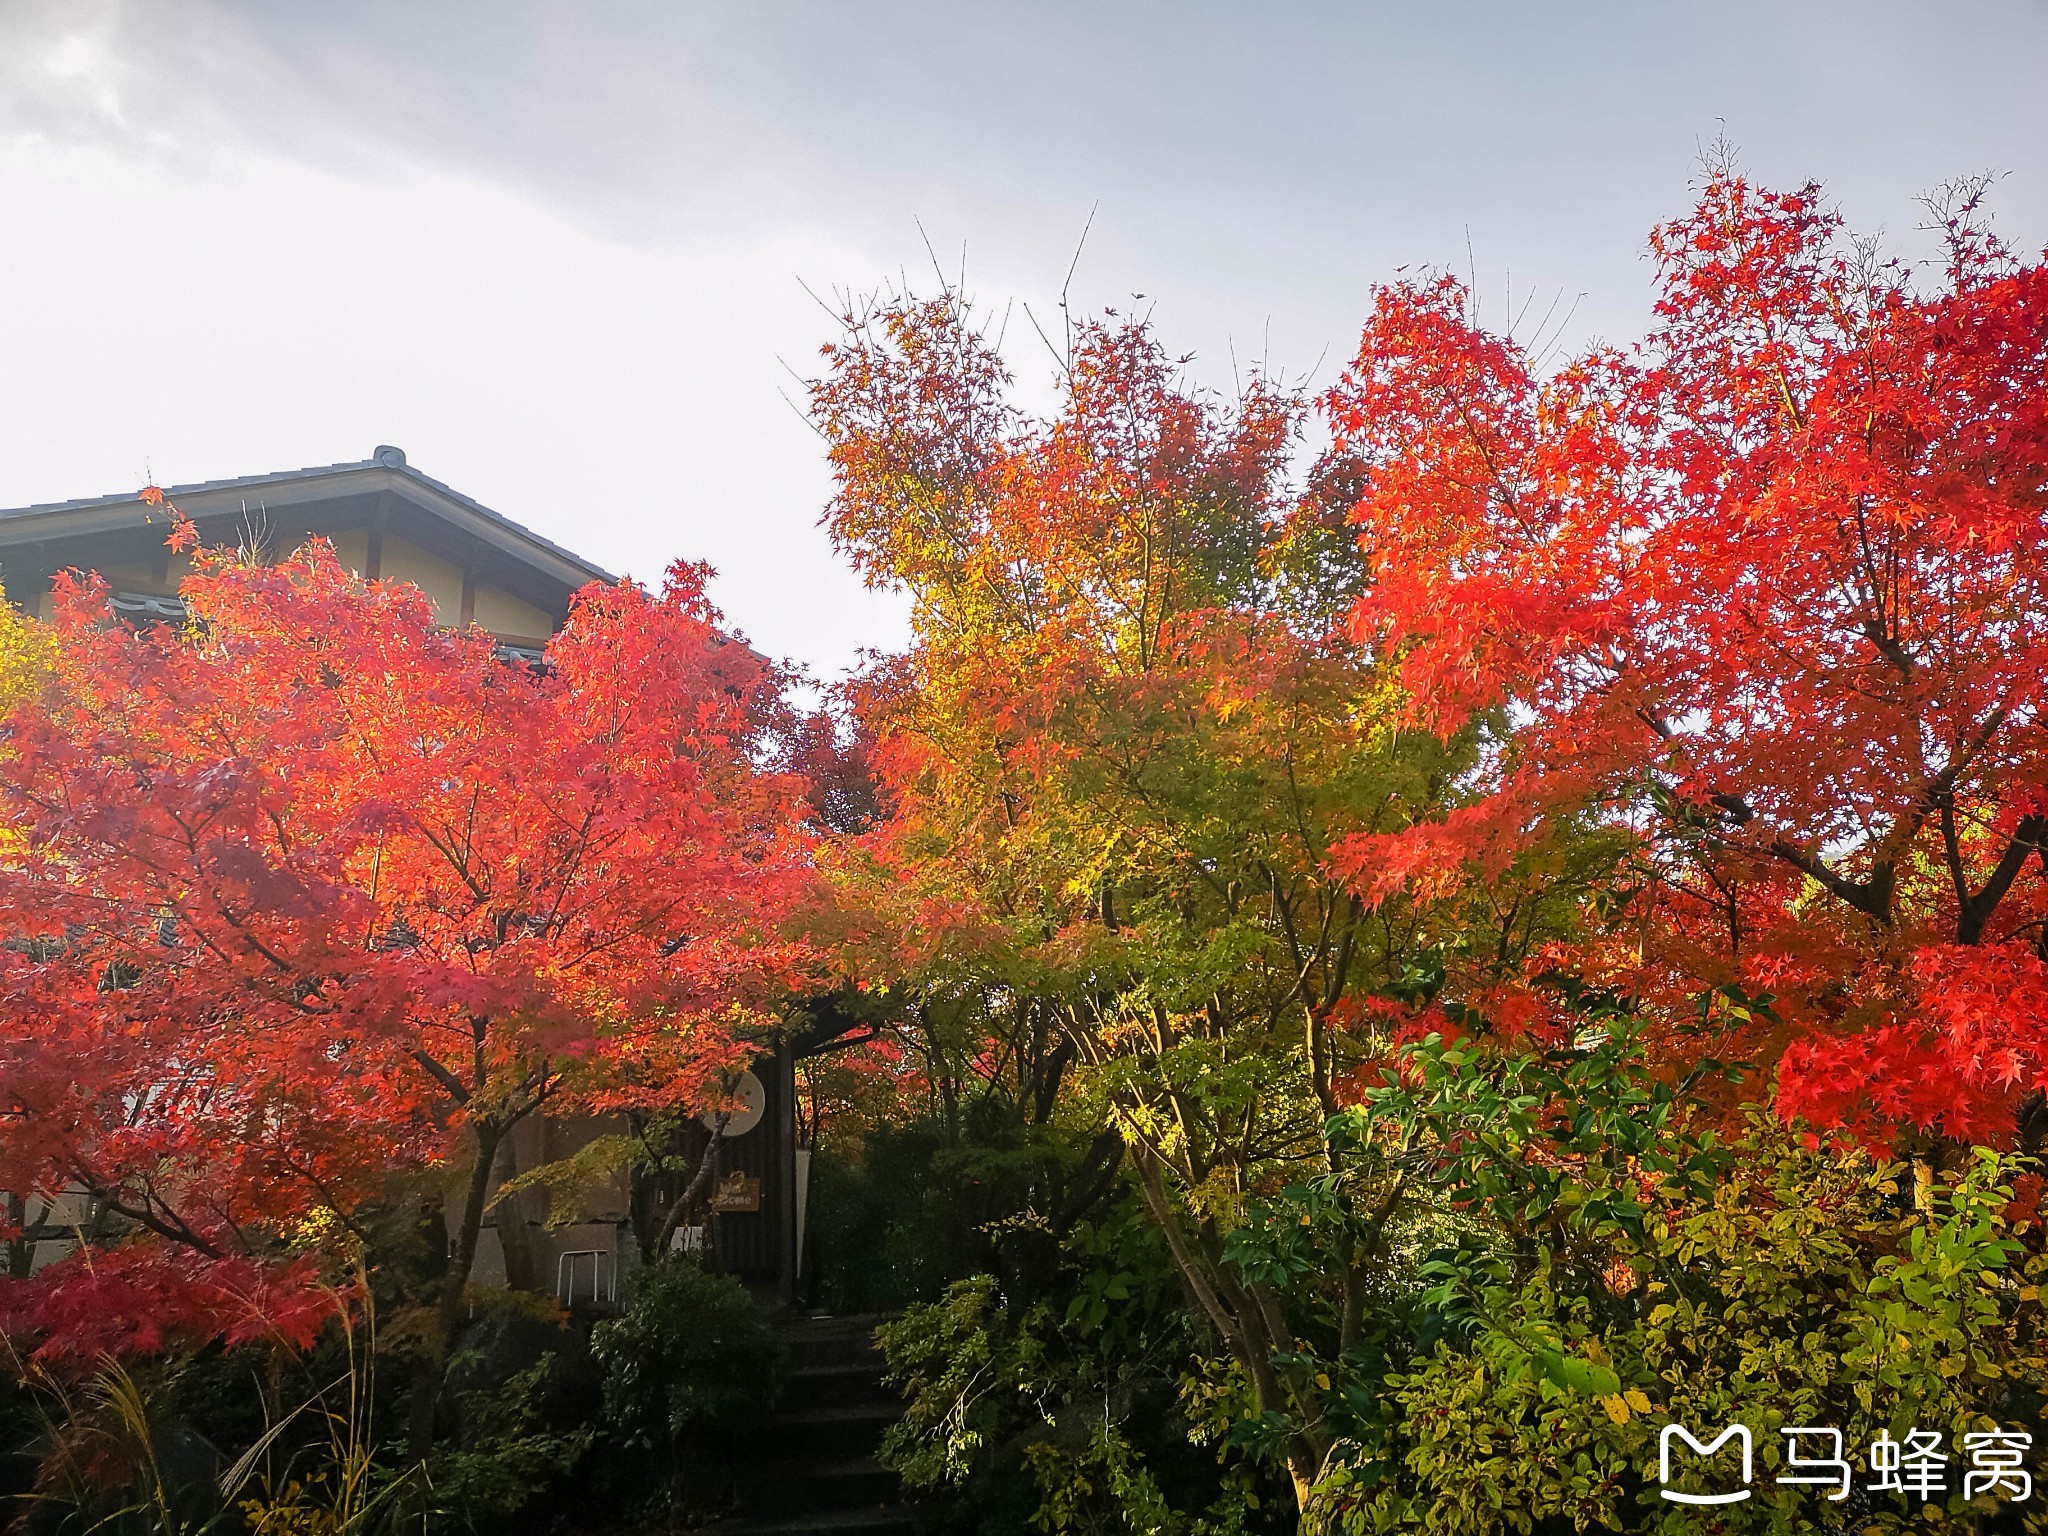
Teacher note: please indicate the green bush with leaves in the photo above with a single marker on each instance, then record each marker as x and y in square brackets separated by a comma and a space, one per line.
[963, 1382]
[1807, 1289]
[943, 1197]
[692, 1351]
[506, 1456]
[1603, 1267]
[1082, 1409]
[1570, 1245]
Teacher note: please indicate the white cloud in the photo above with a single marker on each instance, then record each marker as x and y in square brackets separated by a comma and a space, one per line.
[265, 315]
[553, 249]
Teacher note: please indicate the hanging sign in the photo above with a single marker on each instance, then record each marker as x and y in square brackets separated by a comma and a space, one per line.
[737, 1194]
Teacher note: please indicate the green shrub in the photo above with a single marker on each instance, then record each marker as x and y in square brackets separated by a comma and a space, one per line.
[1069, 1411]
[506, 1457]
[1806, 1287]
[938, 1199]
[691, 1352]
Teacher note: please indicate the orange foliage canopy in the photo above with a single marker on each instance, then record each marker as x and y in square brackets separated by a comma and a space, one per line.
[1770, 589]
[312, 887]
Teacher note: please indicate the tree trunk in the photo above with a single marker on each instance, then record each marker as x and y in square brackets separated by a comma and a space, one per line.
[1303, 1479]
[698, 1187]
[21, 1249]
[1247, 1320]
[426, 1397]
[515, 1230]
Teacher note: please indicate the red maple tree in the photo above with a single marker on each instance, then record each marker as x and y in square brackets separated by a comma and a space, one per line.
[312, 891]
[1771, 588]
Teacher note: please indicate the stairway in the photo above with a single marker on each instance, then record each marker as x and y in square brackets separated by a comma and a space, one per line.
[808, 1469]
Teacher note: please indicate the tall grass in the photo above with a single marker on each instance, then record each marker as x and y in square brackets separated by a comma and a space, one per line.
[103, 1455]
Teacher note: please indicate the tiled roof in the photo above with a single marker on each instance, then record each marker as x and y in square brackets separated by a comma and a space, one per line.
[385, 458]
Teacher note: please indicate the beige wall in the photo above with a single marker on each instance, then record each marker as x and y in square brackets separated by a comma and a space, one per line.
[591, 1222]
[440, 579]
[496, 610]
[140, 577]
[506, 616]
[352, 548]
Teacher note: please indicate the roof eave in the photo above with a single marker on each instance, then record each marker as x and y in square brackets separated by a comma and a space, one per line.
[217, 498]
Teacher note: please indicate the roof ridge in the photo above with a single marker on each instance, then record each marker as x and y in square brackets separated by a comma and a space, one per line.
[195, 486]
[384, 458]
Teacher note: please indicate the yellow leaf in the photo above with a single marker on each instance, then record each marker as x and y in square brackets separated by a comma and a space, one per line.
[1617, 1408]
[1322, 1381]
[1637, 1399]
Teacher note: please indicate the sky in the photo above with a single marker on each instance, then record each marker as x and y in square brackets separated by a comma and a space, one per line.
[569, 256]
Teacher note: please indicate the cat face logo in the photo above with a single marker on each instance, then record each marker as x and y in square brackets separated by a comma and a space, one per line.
[1736, 1432]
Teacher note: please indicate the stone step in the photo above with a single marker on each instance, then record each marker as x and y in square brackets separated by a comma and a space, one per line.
[812, 1487]
[826, 1434]
[837, 1386]
[832, 1341]
[881, 1520]
[808, 1469]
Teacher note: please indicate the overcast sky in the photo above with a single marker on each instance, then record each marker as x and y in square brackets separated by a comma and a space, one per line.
[558, 252]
